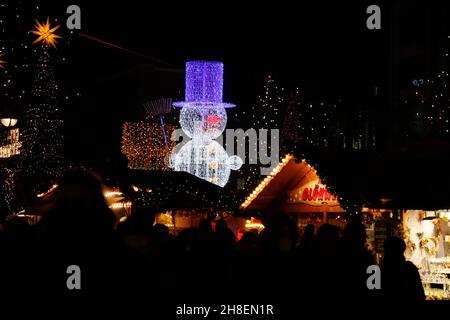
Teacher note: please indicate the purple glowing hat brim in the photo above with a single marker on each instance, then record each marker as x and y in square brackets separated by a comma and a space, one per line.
[198, 104]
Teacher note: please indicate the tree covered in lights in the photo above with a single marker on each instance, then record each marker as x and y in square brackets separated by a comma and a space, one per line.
[266, 112]
[42, 144]
[291, 130]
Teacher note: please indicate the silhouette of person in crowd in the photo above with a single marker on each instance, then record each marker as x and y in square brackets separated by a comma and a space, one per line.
[400, 279]
[137, 256]
[356, 259]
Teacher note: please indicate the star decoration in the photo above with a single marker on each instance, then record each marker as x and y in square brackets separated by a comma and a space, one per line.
[46, 33]
[2, 62]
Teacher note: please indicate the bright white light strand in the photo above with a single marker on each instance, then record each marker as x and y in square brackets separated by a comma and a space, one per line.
[203, 118]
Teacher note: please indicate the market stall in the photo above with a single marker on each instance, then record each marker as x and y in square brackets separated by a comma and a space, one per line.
[295, 188]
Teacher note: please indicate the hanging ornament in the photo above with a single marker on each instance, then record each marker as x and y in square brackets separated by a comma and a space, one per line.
[46, 33]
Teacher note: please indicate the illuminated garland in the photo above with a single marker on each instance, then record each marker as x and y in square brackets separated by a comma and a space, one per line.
[182, 191]
[9, 189]
[350, 208]
[10, 144]
[143, 145]
[266, 181]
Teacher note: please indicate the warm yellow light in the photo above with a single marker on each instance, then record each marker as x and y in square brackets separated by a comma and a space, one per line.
[46, 33]
[109, 194]
[252, 224]
[444, 215]
[121, 205]
[266, 180]
[13, 145]
[8, 122]
[2, 62]
[428, 228]
[135, 188]
[40, 195]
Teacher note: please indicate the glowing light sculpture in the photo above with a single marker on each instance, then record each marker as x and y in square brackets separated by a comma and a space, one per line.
[203, 118]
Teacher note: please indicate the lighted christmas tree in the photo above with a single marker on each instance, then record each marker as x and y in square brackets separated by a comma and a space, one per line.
[292, 118]
[265, 114]
[42, 144]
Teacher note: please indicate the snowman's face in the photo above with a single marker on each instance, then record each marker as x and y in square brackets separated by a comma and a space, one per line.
[203, 122]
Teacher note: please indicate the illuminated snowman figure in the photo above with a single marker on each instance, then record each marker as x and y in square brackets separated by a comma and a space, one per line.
[203, 118]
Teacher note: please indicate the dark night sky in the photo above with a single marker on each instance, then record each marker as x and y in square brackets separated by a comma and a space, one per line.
[323, 47]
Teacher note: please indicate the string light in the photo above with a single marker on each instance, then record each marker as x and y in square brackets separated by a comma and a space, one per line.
[42, 194]
[266, 181]
[13, 45]
[110, 194]
[432, 102]
[143, 145]
[203, 118]
[204, 85]
[254, 224]
[203, 122]
[8, 186]
[121, 205]
[10, 144]
[207, 160]
[42, 139]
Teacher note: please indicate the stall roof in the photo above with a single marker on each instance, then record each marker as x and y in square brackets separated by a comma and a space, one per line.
[275, 191]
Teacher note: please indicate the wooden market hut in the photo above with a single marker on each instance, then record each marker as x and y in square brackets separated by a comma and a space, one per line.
[295, 188]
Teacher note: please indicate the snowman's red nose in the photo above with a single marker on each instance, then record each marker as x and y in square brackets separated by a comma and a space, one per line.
[213, 119]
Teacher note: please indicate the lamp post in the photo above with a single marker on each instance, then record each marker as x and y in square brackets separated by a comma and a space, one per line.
[8, 122]
[8, 113]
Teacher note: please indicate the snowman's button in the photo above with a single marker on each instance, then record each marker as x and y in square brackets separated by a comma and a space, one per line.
[234, 162]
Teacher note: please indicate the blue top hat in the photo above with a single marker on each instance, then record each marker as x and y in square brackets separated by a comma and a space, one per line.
[204, 85]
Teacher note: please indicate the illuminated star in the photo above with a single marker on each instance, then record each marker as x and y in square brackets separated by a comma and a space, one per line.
[46, 33]
[2, 62]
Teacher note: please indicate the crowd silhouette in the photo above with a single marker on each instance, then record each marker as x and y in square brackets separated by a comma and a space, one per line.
[139, 256]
